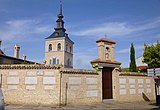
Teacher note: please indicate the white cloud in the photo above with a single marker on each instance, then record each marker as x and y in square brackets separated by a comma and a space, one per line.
[43, 29]
[123, 51]
[82, 60]
[126, 50]
[118, 28]
[20, 29]
[109, 28]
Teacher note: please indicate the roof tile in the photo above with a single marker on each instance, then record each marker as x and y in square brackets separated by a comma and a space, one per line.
[105, 40]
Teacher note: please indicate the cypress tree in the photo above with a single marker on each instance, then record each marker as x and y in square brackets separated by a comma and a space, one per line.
[133, 67]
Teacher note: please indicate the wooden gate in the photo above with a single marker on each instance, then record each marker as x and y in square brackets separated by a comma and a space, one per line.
[107, 83]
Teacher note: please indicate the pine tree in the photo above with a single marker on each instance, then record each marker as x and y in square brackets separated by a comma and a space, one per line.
[132, 67]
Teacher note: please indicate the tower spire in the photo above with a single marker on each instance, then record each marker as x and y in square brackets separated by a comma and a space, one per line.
[60, 22]
[61, 7]
[59, 29]
[60, 12]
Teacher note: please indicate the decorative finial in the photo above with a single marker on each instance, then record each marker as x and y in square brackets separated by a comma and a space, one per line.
[60, 13]
[61, 7]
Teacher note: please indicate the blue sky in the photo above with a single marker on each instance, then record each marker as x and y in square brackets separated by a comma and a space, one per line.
[29, 22]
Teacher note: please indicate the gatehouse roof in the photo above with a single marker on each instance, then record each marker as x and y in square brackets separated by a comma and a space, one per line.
[106, 61]
[105, 40]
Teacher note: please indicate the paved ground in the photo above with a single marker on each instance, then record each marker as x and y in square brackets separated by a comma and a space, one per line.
[107, 105]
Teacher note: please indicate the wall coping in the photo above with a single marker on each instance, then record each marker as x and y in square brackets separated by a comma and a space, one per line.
[78, 71]
[37, 66]
[132, 74]
[28, 66]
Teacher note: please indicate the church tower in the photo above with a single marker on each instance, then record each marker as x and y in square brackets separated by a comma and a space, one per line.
[58, 46]
[106, 54]
[105, 49]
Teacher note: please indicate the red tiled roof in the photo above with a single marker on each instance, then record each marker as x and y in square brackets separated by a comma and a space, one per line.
[105, 61]
[105, 40]
[142, 67]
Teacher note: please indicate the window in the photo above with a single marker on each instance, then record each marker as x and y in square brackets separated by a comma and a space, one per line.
[66, 47]
[50, 62]
[70, 49]
[59, 47]
[68, 62]
[107, 52]
[50, 47]
[57, 61]
[56, 34]
[54, 60]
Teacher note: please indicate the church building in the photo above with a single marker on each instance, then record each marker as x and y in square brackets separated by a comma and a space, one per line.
[57, 83]
[58, 46]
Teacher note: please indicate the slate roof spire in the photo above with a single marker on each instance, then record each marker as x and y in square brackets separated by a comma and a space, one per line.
[59, 30]
[60, 22]
[60, 13]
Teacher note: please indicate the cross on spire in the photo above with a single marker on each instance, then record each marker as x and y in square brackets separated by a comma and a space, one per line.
[59, 29]
[60, 22]
[60, 11]
[60, 7]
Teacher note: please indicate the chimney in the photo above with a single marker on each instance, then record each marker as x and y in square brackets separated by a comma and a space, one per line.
[16, 51]
[24, 57]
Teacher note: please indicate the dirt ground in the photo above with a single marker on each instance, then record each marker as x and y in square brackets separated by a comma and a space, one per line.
[106, 105]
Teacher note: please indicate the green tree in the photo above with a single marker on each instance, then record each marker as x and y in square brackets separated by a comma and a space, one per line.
[132, 67]
[152, 55]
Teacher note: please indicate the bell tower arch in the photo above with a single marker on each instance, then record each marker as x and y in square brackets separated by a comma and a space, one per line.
[58, 46]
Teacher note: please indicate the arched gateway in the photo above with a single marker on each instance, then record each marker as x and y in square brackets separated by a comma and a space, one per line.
[107, 63]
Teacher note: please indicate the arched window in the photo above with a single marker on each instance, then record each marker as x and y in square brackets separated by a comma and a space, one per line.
[57, 61]
[50, 47]
[54, 60]
[50, 61]
[56, 33]
[70, 49]
[59, 47]
[66, 47]
[107, 52]
[68, 62]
